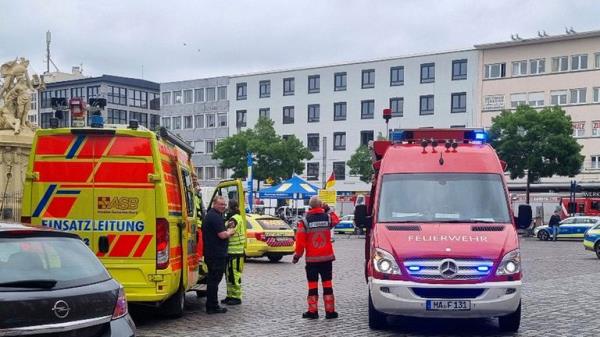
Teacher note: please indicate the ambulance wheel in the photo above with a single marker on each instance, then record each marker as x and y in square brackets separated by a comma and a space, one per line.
[511, 322]
[543, 235]
[173, 307]
[377, 319]
[597, 249]
[275, 258]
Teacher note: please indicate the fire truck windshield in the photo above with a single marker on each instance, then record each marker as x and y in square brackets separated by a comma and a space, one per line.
[443, 197]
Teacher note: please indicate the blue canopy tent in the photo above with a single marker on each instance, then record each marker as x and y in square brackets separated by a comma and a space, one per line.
[293, 188]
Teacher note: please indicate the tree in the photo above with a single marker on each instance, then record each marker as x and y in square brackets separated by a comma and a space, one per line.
[536, 144]
[361, 164]
[274, 157]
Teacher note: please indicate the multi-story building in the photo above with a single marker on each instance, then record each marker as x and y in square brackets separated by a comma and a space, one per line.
[546, 71]
[197, 110]
[335, 109]
[127, 99]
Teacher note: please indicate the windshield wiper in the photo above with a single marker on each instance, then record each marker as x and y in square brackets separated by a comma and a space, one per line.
[44, 284]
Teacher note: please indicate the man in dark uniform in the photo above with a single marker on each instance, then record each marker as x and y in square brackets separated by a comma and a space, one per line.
[554, 223]
[216, 238]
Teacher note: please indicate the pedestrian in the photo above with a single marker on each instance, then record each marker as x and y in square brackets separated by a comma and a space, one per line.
[235, 258]
[216, 238]
[314, 237]
[554, 223]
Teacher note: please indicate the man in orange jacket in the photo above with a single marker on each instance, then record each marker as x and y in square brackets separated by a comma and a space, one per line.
[314, 236]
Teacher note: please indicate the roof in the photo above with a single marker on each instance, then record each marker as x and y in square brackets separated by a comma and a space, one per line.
[293, 188]
[126, 81]
[539, 40]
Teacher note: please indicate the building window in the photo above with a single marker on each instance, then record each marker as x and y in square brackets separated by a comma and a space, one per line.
[339, 169]
[154, 101]
[138, 98]
[264, 113]
[33, 104]
[210, 146]
[340, 81]
[210, 120]
[397, 106]
[312, 142]
[177, 98]
[312, 171]
[93, 91]
[366, 137]
[62, 93]
[537, 66]
[45, 119]
[558, 97]
[116, 95]
[200, 171]
[116, 116]
[519, 68]
[578, 129]
[199, 121]
[459, 69]
[188, 96]
[210, 172]
[496, 70]
[242, 91]
[199, 146]
[265, 89]
[595, 162]
[579, 62]
[77, 92]
[427, 72]
[143, 119]
[596, 128]
[535, 99]
[177, 123]
[396, 76]
[313, 113]
[240, 118]
[288, 115]
[199, 95]
[288, 86]
[222, 120]
[154, 121]
[597, 60]
[339, 111]
[210, 94]
[367, 109]
[339, 141]
[314, 84]
[368, 78]
[46, 99]
[426, 105]
[188, 122]
[457, 126]
[560, 63]
[222, 173]
[577, 95]
[459, 102]
[518, 99]
[596, 95]
[222, 93]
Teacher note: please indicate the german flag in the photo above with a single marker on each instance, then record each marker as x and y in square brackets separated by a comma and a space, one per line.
[331, 181]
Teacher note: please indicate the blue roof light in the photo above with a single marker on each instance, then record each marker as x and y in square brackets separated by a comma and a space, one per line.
[414, 268]
[397, 136]
[480, 135]
[483, 268]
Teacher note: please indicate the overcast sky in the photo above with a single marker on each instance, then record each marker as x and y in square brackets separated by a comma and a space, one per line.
[175, 40]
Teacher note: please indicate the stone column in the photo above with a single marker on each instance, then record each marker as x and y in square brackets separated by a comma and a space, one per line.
[14, 158]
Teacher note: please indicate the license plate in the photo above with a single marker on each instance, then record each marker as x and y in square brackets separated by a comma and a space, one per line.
[448, 305]
[284, 239]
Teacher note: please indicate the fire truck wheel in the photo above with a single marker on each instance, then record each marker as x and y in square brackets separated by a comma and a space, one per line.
[543, 235]
[275, 258]
[511, 322]
[377, 320]
[597, 249]
[173, 307]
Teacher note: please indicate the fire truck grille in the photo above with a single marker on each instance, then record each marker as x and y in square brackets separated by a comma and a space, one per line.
[449, 269]
[487, 228]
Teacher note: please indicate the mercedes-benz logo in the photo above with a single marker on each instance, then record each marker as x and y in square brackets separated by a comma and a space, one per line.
[61, 309]
[448, 268]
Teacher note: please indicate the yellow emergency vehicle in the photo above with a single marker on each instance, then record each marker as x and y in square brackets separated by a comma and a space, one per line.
[127, 191]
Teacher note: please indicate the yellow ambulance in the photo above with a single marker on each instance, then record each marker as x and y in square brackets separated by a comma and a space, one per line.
[127, 191]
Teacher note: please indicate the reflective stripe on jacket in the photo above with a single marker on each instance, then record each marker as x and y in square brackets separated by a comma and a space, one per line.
[237, 242]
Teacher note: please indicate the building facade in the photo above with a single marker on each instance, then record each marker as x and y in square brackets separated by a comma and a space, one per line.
[559, 70]
[335, 109]
[197, 111]
[127, 99]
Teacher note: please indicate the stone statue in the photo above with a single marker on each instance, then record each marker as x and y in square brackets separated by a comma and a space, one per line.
[15, 92]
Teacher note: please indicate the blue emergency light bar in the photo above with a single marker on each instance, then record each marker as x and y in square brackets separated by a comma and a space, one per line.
[96, 121]
[474, 135]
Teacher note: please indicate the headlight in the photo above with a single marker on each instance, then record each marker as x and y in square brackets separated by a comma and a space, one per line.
[385, 263]
[511, 263]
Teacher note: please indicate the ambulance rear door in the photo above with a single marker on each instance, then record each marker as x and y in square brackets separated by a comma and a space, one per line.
[188, 230]
[124, 208]
[231, 189]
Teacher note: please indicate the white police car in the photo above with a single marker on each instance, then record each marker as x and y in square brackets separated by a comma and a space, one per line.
[570, 228]
[591, 240]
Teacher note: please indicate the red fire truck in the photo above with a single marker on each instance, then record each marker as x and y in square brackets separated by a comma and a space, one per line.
[441, 239]
[589, 206]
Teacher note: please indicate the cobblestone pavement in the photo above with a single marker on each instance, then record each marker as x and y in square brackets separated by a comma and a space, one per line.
[560, 290]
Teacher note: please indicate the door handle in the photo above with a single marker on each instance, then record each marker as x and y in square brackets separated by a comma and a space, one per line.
[103, 244]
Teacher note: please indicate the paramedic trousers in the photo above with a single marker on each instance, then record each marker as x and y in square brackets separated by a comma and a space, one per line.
[313, 271]
[216, 268]
[233, 276]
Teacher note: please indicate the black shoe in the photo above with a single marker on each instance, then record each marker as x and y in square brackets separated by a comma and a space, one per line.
[232, 301]
[330, 315]
[217, 310]
[311, 315]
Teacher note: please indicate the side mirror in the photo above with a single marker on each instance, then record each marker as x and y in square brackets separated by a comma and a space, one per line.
[525, 216]
[361, 218]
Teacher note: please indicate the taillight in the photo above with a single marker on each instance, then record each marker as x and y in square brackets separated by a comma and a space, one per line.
[121, 306]
[260, 236]
[162, 243]
[26, 219]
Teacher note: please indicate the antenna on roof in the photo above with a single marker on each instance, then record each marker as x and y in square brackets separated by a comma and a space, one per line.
[569, 30]
[572, 31]
[545, 34]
